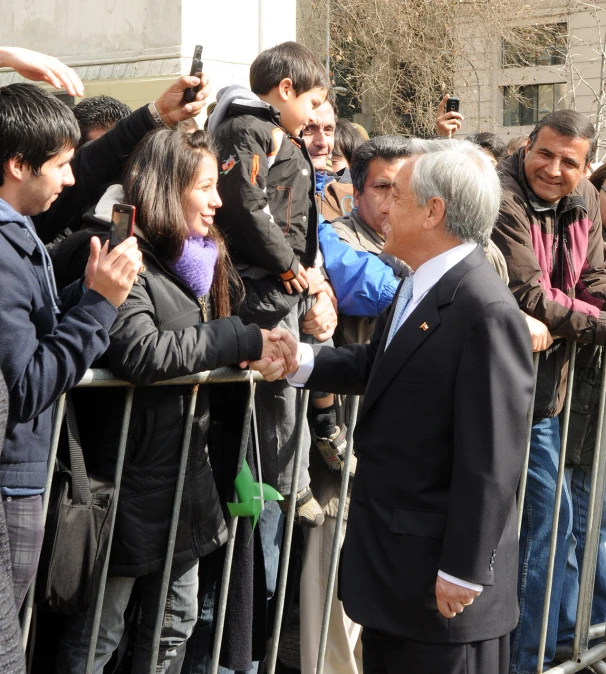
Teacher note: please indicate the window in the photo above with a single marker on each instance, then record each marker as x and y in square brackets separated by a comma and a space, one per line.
[527, 105]
[536, 46]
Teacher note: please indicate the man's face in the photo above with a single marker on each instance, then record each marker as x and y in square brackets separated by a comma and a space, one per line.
[37, 193]
[296, 111]
[555, 164]
[319, 135]
[377, 188]
[403, 226]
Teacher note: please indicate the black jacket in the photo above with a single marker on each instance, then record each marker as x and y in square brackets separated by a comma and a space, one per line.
[269, 215]
[160, 333]
[440, 440]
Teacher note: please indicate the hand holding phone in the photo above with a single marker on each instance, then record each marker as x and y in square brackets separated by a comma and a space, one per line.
[123, 224]
[448, 118]
[195, 71]
[452, 104]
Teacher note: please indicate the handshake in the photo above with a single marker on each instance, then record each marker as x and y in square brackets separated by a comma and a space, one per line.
[280, 355]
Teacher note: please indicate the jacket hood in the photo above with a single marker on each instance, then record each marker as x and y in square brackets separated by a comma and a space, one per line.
[102, 212]
[9, 214]
[233, 94]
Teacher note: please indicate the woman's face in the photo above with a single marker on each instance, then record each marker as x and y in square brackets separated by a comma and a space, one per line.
[203, 199]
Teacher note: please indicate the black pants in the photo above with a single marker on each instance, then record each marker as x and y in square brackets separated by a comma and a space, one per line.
[382, 654]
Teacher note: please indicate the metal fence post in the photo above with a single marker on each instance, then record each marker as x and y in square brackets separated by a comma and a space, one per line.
[231, 541]
[128, 405]
[556, 509]
[26, 618]
[592, 534]
[524, 478]
[172, 532]
[290, 518]
[336, 545]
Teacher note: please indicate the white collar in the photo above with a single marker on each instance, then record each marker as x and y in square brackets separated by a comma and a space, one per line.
[430, 272]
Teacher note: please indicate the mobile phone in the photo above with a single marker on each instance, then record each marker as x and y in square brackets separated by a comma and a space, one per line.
[195, 71]
[123, 224]
[452, 104]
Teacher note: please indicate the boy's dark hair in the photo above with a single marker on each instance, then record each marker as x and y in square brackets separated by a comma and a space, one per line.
[35, 126]
[571, 124]
[347, 139]
[291, 60]
[99, 112]
[489, 141]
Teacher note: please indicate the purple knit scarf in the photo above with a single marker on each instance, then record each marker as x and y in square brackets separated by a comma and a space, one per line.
[196, 266]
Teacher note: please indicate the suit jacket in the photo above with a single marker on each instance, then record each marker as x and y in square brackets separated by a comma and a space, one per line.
[440, 440]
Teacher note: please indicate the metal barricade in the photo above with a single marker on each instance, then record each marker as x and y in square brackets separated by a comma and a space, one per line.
[579, 656]
[105, 379]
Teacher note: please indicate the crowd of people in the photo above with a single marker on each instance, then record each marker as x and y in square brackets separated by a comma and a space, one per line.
[419, 273]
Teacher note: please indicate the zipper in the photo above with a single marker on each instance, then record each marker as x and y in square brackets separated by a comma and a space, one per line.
[568, 256]
[202, 303]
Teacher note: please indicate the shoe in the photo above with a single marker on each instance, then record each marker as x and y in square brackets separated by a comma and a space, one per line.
[332, 448]
[308, 512]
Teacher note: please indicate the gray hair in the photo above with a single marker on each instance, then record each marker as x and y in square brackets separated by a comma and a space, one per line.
[462, 176]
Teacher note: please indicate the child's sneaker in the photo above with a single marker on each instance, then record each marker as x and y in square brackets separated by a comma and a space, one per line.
[308, 512]
[332, 448]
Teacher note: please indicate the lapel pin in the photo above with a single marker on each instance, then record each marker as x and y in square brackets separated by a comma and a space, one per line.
[424, 326]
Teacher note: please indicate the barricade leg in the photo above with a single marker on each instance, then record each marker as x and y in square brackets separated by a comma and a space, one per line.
[290, 518]
[524, 478]
[128, 405]
[593, 532]
[231, 540]
[26, 615]
[556, 511]
[336, 547]
[172, 533]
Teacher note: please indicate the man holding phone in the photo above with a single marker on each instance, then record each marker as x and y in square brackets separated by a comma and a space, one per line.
[47, 340]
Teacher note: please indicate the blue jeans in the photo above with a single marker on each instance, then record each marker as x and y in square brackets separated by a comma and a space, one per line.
[198, 659]
[179, 620]
[534, 554]
[579, 482]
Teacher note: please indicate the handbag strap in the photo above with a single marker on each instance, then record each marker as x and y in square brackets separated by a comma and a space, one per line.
[81, 494]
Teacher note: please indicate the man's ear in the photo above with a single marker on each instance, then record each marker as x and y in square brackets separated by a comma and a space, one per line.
[436, 212]
[285, 88]
[356, 197]
[14, 168]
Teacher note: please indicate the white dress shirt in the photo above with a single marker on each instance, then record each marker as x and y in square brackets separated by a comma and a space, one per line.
[424, 279]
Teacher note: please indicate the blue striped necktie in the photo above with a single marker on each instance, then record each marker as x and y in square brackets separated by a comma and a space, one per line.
[402, 302]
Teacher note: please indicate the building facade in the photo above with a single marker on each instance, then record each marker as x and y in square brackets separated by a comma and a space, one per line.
[133, 49]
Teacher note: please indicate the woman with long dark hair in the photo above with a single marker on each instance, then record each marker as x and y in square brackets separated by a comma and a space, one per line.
[164, 330]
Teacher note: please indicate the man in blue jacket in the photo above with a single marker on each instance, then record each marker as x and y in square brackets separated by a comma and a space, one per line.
[47, 341]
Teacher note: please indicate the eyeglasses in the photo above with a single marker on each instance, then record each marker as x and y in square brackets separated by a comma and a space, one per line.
[603, 188]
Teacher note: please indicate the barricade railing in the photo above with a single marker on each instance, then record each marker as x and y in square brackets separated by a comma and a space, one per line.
[581, 654]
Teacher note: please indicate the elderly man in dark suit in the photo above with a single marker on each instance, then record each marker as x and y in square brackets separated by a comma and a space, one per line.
[429, 563]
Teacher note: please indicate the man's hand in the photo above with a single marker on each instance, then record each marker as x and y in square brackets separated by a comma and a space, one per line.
[41, 68]
[299, 283]
[112, 274]
[315, 281]
[452, 598]
[539, 334]
[321, 320]
[447, 123]
[170, 105]
[279, 356]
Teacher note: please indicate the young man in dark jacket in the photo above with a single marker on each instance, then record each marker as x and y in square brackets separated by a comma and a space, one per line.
[269, 219]
[549, 231]
[47, 341]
